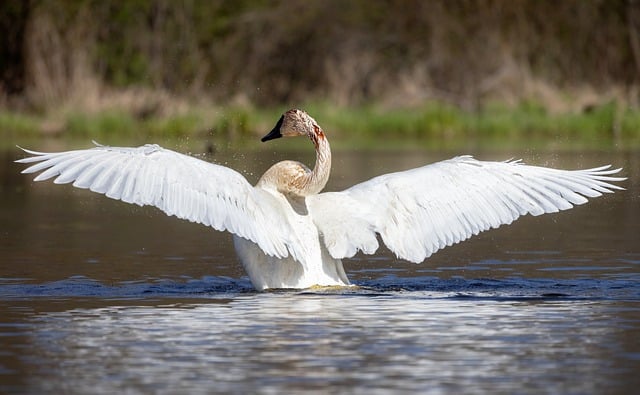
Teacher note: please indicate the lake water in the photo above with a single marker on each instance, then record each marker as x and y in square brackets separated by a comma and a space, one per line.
[97, 296]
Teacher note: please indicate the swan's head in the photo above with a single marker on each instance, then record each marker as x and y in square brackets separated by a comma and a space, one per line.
[293, 123]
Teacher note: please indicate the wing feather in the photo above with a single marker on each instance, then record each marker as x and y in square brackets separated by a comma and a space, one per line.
[177, 184]
[420, 211]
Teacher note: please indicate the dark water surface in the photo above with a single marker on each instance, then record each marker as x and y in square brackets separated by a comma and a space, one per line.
[97, 296]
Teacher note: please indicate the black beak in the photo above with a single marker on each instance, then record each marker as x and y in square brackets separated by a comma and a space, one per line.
[275, 132]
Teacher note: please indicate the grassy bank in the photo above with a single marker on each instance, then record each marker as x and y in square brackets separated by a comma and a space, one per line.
[149, 70]
[434, 124]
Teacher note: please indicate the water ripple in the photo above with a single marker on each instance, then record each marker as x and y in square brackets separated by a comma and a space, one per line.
[211, 286]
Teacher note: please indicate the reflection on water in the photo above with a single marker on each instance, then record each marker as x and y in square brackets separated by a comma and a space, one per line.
[387, 341]
[97, 296]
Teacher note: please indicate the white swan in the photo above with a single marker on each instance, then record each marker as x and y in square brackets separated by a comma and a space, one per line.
[289, 235]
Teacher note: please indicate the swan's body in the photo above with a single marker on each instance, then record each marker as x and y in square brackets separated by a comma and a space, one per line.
[289, 235]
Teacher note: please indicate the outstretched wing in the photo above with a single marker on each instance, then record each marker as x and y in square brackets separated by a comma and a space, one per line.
[177, 184]
[419, 211]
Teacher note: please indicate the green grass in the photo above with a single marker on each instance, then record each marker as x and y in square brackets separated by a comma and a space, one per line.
[79, 124]
[438, 124]
[433, 124]
[15, 123]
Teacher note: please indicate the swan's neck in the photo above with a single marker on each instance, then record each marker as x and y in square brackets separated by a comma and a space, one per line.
[294, 178]
[318, 177]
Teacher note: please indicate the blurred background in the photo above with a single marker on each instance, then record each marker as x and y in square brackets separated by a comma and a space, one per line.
[443, 69]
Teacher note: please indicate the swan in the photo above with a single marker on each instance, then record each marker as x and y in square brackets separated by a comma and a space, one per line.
[287, 234]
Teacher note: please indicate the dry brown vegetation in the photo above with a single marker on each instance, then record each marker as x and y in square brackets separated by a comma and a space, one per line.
[155, 57]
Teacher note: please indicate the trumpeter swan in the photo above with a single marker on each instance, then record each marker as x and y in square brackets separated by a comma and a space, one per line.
[289, 235]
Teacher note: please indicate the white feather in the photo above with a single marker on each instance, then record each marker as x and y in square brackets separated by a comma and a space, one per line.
[419, 211]
[173, 182]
